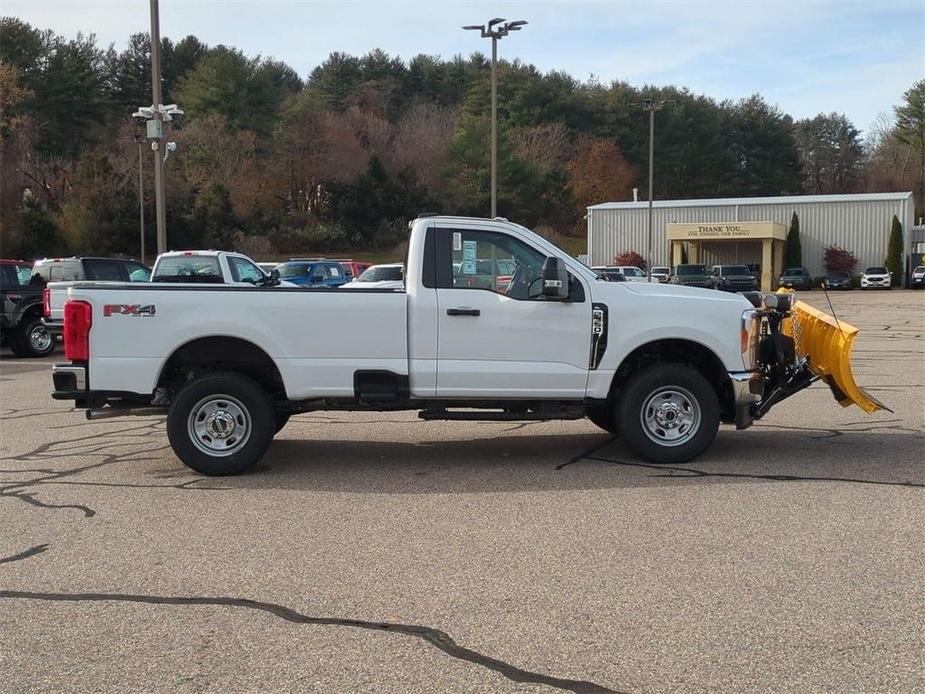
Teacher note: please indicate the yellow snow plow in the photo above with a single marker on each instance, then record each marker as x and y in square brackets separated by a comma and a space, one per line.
[826, 343]
[797, 346]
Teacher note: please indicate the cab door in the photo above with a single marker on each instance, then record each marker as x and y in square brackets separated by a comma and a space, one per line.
[497, 336]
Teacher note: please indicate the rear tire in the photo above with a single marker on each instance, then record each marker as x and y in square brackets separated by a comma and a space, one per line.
[603, 416]
[221, 423]
[668, 413]
[32, 340]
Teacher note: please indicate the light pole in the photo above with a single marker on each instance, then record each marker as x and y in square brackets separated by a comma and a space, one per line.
[160, 194]
[494, 32]
[651, 105]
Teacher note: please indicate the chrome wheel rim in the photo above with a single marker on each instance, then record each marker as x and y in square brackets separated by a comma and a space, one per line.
[670, 416]
[219, 425]
[40, 339]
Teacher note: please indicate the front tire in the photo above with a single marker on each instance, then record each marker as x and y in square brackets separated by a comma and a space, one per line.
[668, 413]
[221, 423]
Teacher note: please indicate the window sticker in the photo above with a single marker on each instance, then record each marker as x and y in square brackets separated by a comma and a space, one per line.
[469, 251]
[457, 240]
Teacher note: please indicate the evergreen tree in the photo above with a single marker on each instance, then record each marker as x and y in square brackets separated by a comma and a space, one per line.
[793, 253]
[894, 252]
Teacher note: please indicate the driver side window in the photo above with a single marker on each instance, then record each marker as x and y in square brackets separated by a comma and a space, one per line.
[495, 262]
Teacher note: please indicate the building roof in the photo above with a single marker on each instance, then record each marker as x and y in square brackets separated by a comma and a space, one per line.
[780, 199]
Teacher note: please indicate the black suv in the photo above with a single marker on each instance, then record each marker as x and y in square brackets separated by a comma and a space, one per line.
[92, 269]
[796, 278]
[733, 278]
[21, 314]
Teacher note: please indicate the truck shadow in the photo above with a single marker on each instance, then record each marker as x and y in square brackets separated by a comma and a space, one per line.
[586, 461]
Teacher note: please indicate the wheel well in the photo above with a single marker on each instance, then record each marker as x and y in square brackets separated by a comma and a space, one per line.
[221, 354]
[678, 352]
[30, 312]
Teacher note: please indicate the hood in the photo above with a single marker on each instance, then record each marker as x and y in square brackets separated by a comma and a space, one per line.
[677, 291]
[380, 284]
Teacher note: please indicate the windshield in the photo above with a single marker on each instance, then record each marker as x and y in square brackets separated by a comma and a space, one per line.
[735, 270]
[875, 271]
[793, 272]
[293, 269]
[920, 268]
[691, 270]
[660, 270]
[188, 268]
[382, 273]
[633, 272]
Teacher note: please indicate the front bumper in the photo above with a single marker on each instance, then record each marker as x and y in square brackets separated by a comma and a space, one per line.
[883, 283]
[747, 389]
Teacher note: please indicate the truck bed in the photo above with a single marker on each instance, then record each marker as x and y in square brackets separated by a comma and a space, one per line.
[317, 337]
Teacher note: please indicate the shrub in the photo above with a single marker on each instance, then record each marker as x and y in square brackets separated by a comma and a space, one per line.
[837, 259]
[894, 253]
[630, 258]
[793, 250]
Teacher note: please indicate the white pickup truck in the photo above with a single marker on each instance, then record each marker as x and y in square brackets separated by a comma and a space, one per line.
[662, 365]
[212, 267]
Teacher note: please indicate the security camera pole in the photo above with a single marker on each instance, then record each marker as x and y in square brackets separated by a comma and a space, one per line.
[494, 34]
[160, 194]
[651, 106]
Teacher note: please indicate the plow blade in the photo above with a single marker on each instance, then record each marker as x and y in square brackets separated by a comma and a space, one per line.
[828, 342]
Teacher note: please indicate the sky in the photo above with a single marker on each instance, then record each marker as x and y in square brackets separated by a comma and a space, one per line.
[806, 56]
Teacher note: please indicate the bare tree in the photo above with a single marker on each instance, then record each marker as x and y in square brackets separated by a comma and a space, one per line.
[544, 146]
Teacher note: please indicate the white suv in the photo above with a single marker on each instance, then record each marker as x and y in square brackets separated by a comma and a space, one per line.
[630, 272]
[918, 277]
[877, 277]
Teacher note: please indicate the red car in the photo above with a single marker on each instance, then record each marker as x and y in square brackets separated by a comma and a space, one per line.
[354, 268]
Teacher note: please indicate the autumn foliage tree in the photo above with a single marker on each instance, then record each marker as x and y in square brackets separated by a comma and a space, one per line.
[837, 259]
[631, 258]
[598, 171]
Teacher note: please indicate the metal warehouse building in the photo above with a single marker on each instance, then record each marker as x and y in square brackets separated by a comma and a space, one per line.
[748, 230]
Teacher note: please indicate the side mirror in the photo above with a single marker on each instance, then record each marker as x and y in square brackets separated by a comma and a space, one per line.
[274, 277]
[555, 279]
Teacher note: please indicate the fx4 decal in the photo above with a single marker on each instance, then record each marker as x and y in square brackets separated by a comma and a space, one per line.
[146, 310]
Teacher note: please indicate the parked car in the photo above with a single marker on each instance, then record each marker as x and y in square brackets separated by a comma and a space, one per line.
[733, 278]
[662, 274]
[876, 277]
[57, 274]
[609, 275]
[918, 277]
[21, 327]
[692, 275]
[664, 366]
[796, 278]
[313, 273]
[838, 280]
[354, 268]
[389, 276]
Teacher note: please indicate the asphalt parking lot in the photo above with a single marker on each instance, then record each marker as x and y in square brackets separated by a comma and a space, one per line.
[375, 552]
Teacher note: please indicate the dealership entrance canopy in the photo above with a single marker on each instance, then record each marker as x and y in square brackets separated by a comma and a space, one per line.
[761, 241]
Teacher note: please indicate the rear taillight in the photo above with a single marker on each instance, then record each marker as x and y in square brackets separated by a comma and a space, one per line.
[78, 317]
[46, 302]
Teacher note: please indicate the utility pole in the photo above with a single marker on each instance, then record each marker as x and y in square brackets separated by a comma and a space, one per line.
[495, 34]
[141, 198]
[160, 193]
[651, 106]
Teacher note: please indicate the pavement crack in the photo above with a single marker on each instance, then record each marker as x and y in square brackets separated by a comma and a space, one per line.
[435, 637]
[25, 554]
[695, 473]
[584, 454]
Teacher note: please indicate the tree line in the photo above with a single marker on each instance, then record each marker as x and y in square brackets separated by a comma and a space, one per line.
[271, 163]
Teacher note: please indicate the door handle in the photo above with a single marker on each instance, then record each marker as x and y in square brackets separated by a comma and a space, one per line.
[463, 312]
